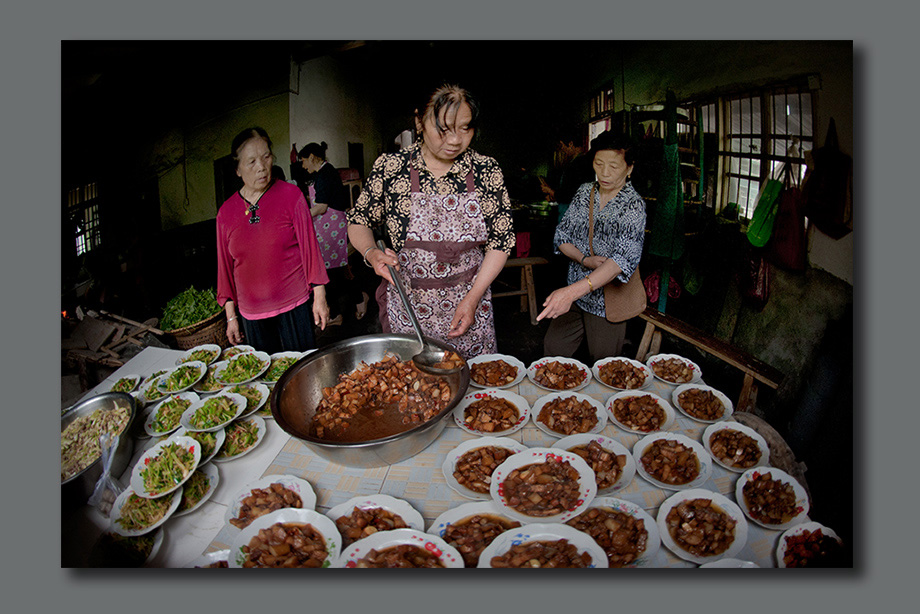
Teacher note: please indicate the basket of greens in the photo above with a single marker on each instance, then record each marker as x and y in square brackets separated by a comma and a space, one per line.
[193, 318]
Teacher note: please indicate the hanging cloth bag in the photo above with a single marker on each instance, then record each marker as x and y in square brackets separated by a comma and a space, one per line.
[788, 249]
[621, 301]
[828, 188]
[761, 227]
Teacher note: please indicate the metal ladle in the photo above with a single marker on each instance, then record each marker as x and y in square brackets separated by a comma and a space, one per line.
[429, 356]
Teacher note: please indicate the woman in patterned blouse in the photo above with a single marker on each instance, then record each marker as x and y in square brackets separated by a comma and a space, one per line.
[447, 215]
[578, 310]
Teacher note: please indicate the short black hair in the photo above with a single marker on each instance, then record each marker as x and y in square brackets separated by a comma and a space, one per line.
[316, 149]
[245, 135]
[616, 141]
[448, 96]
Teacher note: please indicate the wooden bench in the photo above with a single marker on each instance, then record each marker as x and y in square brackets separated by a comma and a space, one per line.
[526, 291]
[754, 369]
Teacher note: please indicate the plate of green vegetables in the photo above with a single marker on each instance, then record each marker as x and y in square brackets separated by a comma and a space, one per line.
[213, 412]
[165, 467]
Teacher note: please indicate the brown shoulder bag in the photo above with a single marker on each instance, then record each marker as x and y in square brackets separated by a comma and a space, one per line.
[621, 301]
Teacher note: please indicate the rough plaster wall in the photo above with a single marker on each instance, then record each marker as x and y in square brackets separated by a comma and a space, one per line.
[330, 106]
[788, 332]
[184, 202]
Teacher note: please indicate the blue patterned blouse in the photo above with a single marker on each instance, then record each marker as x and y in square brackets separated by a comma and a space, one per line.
[619, 231]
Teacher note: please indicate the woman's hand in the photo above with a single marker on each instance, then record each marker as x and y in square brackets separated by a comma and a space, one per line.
[559, 302]
[233, 331]
[318, 209]
[463, 316]
[379, 259]
[592, 262]
[320, 307]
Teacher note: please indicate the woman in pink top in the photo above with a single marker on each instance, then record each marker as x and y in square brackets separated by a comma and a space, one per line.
[269, 267]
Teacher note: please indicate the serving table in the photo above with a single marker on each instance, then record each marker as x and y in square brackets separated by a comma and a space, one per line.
[418, 480]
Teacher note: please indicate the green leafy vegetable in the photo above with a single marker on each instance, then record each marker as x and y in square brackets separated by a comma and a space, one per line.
[189, 307]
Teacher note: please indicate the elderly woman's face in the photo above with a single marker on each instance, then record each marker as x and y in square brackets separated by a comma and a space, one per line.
[447, 145]
[254, 166]
[611, 169]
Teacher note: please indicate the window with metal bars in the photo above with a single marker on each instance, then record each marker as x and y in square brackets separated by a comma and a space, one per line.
[760, 132]
[83, 205]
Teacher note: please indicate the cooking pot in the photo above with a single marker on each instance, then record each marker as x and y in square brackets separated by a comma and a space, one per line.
[78, 488]
[300, 389]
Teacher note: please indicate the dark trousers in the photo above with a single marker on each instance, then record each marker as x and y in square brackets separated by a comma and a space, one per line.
[565, 334]
[291, 331]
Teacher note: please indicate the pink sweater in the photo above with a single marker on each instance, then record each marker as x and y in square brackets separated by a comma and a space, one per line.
[269, 267]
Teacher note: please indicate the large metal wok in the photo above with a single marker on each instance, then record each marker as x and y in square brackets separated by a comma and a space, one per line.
[300, 389]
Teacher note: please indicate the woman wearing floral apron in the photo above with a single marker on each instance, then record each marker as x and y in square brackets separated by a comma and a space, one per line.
[447, 215]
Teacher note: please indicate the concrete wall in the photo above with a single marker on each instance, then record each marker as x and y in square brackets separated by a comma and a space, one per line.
[186, 158]
[329, 103]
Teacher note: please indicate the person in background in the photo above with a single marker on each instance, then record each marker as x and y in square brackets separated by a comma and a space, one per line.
[270, 274]
[328, 201]
[578, 309]
[447, 215]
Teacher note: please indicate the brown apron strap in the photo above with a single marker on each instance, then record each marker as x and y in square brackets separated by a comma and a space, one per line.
[470, 186]
[413, 179]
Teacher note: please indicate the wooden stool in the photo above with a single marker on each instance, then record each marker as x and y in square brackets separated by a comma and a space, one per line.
[754, 369]
[527, 291]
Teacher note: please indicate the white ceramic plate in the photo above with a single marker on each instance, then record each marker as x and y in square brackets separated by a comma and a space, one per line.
[263, 391]
[381, 540]
[801, 497]
[596, 371]
[511, 360]
[261, 429]
[730, 564]
[153, 376]
[115, 515]
[724, 503]
[233, 350]
[697, 373]
[585, 371]
[137, 480]
[587, 486]
[292, 483]
[705, 461]
[669, 414]
[129, 382]
[543, 532]
[239, 403]
[100, 558]
[799, 529]
[653, 541]
[263, 358]
[218, 441]
[712, 429]
[163, 385]
[727, 407]
[150, 392]
[211, 349]
[517, 400]
[270, 378]
[151, 415]
[450, 462]
[611, 445]
[463, 511]
[209, 558]
[213, 476]
[539, 404]
[398, 507]
[208, 384]
[323, 525]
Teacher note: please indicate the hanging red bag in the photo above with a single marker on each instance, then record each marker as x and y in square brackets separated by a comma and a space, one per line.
[754, 279]
[788, 248]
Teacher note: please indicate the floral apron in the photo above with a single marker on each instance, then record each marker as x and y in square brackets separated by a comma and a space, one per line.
[438, 263]
[331, 234]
